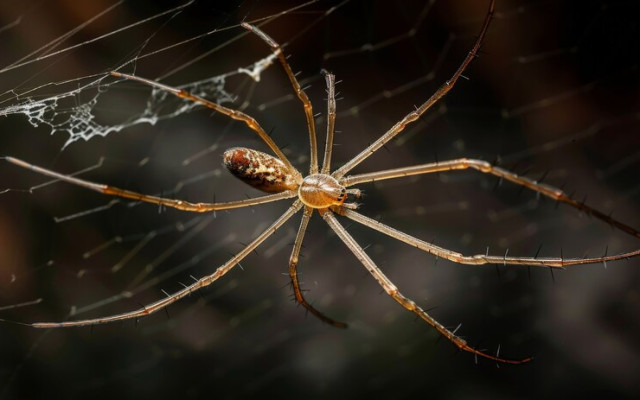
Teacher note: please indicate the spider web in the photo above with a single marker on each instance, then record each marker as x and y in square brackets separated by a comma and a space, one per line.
[74, 112]
[557, 98]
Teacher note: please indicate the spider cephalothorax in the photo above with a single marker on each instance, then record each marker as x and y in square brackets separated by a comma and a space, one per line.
[321, 191]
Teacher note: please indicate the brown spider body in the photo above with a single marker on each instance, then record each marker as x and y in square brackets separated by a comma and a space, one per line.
[270, 174]
[260, 170]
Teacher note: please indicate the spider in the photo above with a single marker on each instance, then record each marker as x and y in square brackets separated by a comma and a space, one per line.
[330, 194]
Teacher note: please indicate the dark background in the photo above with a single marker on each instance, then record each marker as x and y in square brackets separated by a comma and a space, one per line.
[555, 91]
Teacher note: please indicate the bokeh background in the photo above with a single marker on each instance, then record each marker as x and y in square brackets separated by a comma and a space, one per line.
[554, 93]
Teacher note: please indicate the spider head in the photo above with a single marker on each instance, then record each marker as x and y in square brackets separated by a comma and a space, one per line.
[321, 191]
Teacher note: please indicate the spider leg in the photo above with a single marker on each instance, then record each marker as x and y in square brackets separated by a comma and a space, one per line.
[417, 113]
[477, 259]
[392, 291]
[235, 114]
[331, 121]
[308, 109]
[487, 168]
[293, 273]
[174, 203]
[200, 283]
[357, 193]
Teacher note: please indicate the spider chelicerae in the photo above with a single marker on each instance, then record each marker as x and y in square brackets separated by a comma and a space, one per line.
[331, 194]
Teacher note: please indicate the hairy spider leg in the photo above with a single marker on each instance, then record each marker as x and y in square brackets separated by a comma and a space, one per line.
[200, 283]
[393, 291]
[293, 265]
[308, 108]
[486, 168]
[478, 259]
[331, 121]
[174, 203]
[417, 113]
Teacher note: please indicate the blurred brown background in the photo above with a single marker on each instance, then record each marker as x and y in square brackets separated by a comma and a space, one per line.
[555, 91]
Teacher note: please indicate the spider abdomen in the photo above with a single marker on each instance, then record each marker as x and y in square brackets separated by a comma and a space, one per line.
[260, 170]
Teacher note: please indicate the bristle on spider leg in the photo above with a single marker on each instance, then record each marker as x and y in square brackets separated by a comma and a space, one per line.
[433, 240]
[497, 184]
[543, 176]
[525, 171]
[255, 251]
[584, 203]
[535, 256]
[553, 277]
[477, 345]
[497, 161]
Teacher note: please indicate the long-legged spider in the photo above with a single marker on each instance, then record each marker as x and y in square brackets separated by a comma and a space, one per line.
[327, 192]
